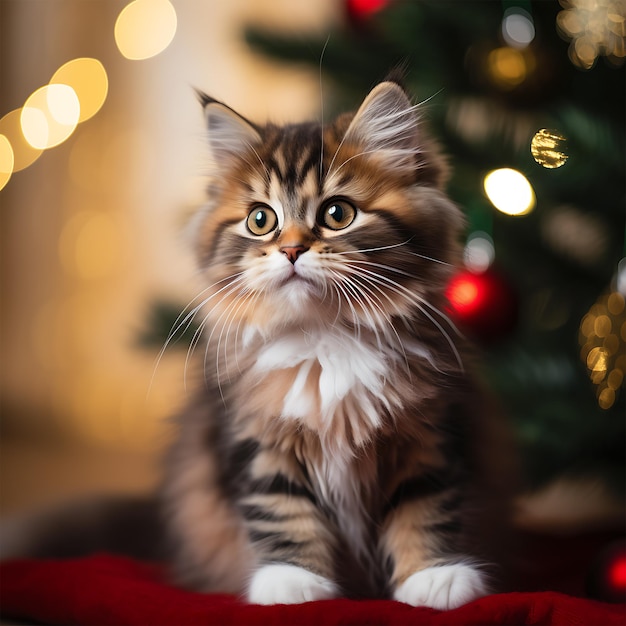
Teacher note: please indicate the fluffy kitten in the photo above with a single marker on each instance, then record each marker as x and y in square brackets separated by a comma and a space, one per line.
[339, 445]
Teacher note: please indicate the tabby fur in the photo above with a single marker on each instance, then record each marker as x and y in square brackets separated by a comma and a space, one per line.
[338, 443]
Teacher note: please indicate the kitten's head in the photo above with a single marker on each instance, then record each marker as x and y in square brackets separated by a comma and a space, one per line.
[340, 224]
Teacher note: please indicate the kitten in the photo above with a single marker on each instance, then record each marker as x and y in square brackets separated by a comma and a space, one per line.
[339, 445]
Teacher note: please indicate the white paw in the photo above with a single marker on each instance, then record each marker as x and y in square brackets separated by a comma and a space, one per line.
[443, 587]
[288, 584]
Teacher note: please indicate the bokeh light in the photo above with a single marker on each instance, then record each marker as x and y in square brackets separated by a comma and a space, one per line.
[617, 573]
[88, 78]
[602, 337]
[580, 235]
[366, 7]
[621, 277]
[464, 294]
[509, 191]
[594, 28]
[144, 28]
[508, 67]
[479, 252]
[546, 148]
[6, 160]
[518, 29]
[23, 153]
[50, 115]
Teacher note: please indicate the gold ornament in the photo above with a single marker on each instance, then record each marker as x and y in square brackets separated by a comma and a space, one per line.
[545, 146]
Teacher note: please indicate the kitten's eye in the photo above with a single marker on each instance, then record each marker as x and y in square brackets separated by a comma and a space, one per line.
[261, 220]
[338, 214]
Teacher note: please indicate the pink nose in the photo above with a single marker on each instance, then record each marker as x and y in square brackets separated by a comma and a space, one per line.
[293, 252]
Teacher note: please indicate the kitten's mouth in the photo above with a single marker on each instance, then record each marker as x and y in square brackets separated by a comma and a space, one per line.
[296, 278]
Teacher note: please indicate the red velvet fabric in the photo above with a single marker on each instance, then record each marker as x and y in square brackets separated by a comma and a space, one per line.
[107, 589]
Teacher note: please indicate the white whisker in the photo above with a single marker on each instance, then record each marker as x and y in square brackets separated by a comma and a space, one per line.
[393, 245]
[373, 289]
[246, 294]
[227, 312]
[420, 303]
[340, 290]
[364, 308]
[322, 107]
[249, 300]
[196, 337]
[268, 175]
[185, 319]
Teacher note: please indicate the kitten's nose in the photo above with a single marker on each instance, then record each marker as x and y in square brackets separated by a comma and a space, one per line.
[293, 252]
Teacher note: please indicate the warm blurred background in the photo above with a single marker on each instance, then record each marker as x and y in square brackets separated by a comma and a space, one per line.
[92, 230]
[100, 169]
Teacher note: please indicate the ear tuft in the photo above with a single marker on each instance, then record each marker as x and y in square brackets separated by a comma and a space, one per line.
[386, 125]
[230, 134]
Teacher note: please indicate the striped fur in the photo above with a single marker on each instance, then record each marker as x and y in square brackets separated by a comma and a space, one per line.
[335, 446]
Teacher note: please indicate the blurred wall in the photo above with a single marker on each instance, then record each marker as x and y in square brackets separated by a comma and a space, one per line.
[91, 232]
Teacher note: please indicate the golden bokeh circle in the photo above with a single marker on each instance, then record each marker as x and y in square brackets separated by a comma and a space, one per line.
[6, 160]
[88, 78]
[509, 191]
[23, 153]
[49, 116]
[144, 28]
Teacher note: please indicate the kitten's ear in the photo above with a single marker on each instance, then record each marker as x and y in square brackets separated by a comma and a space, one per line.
[386, 124]
[230, 134]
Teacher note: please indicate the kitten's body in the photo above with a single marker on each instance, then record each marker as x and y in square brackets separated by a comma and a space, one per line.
[339, 444]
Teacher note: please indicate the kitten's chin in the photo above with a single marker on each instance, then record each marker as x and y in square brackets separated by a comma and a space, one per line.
[298, 292]
[296, 300]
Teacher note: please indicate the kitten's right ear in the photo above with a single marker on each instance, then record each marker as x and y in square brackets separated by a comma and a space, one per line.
[230, 134]
[386, 125]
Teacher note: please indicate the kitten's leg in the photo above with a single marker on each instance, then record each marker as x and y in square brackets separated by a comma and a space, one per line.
[290, 536]
[421, 535]
[208, 542]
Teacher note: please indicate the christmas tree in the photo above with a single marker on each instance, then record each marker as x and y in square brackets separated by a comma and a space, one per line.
[534, 90]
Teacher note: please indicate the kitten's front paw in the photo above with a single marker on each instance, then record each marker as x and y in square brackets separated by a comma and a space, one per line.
[443, 587]
[288, 584]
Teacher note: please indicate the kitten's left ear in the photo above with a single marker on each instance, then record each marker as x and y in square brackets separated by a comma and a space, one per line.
[230, 134]
[386, 124]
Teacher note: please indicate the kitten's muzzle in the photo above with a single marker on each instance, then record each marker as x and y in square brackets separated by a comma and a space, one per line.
[293, 252]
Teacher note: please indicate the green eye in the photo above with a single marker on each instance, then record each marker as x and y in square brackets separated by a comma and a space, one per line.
[261, 220]
[338, 214]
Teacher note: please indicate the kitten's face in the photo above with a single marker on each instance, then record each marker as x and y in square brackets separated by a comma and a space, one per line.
[345, 226]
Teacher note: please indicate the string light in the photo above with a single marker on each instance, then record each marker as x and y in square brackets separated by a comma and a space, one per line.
[581, 236]
[144, 28]
[508, 67]
[602, 336]
[49, 116]
[594, 29]
[79, 88]
[509, 191]
[518, 29]
[621, 277]
[23, 153]
[479, 252]
[6, 161]
[89, 80]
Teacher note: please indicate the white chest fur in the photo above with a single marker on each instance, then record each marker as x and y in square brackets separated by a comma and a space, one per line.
[335, 375]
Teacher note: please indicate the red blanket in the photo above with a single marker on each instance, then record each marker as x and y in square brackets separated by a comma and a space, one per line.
[106, 589]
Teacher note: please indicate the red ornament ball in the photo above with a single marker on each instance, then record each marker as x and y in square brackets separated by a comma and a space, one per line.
[484, 305]
[362, 9]
[606, 580]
